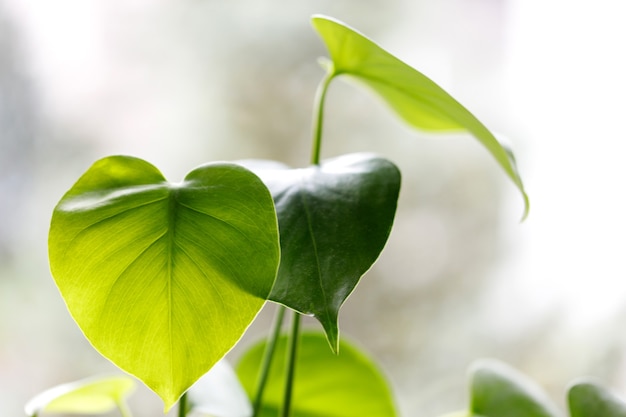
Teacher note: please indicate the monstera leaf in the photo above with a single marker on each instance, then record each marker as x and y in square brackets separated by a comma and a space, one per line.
[590, 399]
[334, 221]
[497, 390]
[97, 395]
[325, 385]
[413, 96]
[164, 278]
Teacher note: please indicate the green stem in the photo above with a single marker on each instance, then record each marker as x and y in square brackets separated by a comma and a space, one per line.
[318, 116]
[182, 406]
[268, 355]
[294, 339]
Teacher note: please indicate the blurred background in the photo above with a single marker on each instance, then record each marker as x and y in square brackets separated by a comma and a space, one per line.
[180, 83]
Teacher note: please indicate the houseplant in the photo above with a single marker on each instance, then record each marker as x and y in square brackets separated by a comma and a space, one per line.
[164, 278]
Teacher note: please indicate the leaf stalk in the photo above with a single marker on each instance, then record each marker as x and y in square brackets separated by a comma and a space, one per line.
[294, 339]
[318, 116]
[268, 355]
[182, 406]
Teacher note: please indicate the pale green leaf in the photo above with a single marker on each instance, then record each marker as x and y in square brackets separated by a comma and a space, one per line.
[326, 385]
[412, 95]
[88, 396]
[164, 278]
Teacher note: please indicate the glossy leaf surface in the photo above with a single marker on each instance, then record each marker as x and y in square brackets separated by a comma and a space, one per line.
[163, 278]
[88, 396]
[219, 394]
[326, 385]
[497, 390]
[334, 222]
[413, 96]
[589, 399]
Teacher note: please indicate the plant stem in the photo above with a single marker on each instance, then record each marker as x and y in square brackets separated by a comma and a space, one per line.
[268, 355]
[182, 405]
[294, 339]
[318, 116]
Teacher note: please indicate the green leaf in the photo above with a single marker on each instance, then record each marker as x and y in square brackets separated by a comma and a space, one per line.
[219, 394]
[88, 396]
[326, 385]
[497, 390]
[590, 399]
[334, 222]
[164, 278]
[412, 95]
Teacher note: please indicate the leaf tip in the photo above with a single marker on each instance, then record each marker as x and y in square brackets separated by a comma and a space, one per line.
[331, 329]
[168, 402]
[526, 206]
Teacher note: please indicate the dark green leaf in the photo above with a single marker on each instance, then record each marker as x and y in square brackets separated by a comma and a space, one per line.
[497, 390]
[163, 278]
[589, 399]
[412, 95]
[334, 222]
[326, 385]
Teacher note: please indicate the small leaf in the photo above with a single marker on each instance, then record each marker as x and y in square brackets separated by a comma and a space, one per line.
[590, 399]
[88, 396]
[497, 390]
[219, 394]
[413, 96]
[334, 221]
[326, 385]
[162, 278]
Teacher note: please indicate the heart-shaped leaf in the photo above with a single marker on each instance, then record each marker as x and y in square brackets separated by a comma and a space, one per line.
[88, 396]
[412, 95]
[497, 390]
[325, 385]
[163, 278]
[590, 399]
[334, 221]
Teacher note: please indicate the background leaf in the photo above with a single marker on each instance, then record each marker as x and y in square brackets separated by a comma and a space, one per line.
[497, 390]
[412, 95]
[326, 385]
[334, 222]
[88, 396]
[219, 394]
[162, 278]
[589, 399]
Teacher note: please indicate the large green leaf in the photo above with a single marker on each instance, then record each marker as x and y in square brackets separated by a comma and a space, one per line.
[589, 399]
[497, 390]
[326, 385]
[413, 96]
[88, 396]
[334, 222]
[164, 278]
